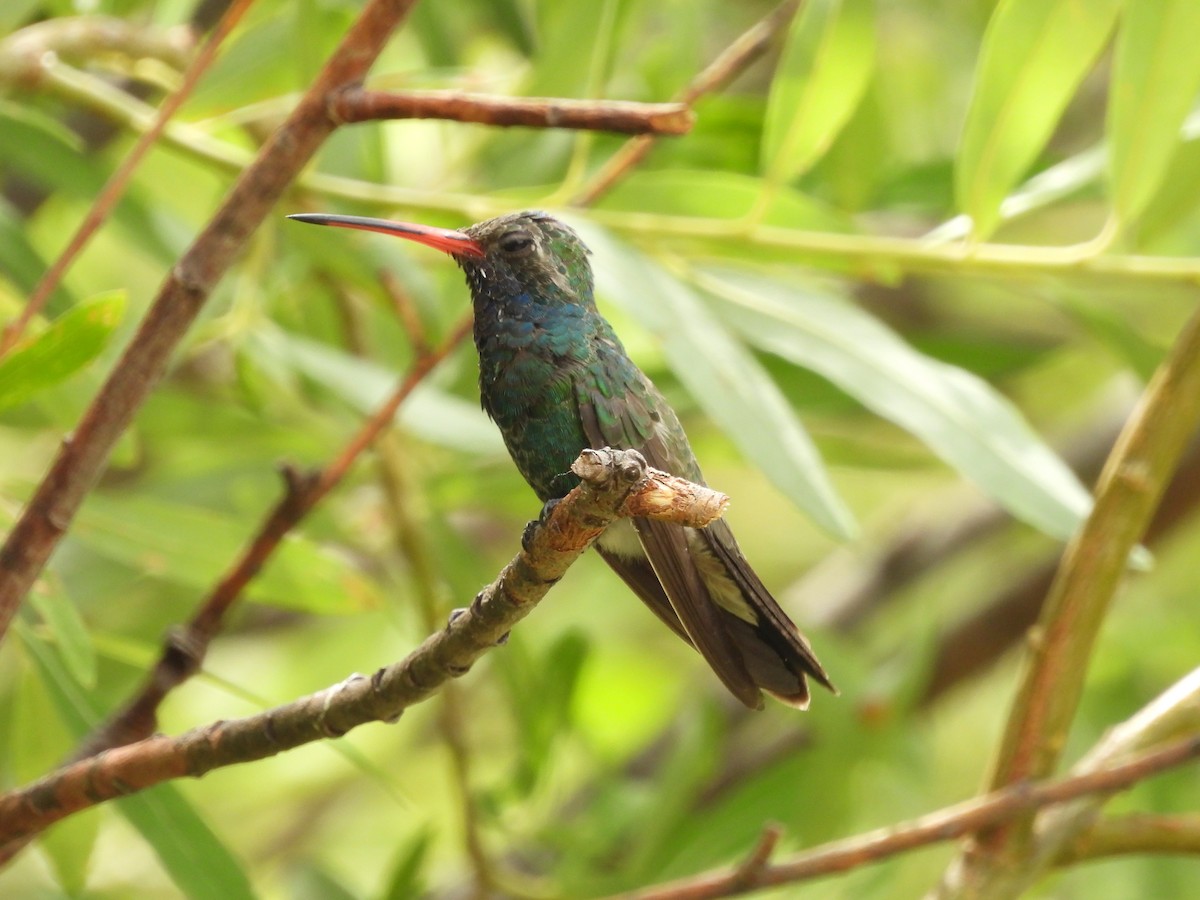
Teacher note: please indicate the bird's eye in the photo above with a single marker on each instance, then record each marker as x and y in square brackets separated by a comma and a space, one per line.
[515, 243]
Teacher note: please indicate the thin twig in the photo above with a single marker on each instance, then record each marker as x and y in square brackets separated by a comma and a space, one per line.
[84, 452]
[620, 116]
[736, 58]
[946, 824]
[115, 187]
[185, 649]
[613, 484]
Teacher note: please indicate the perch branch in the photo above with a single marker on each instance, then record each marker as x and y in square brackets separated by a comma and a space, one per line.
[85, 451]
[185, 649]
[612, 483]
[947, 824]
[358, 105]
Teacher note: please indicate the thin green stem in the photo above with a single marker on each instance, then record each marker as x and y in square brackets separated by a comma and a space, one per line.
[1093, 565]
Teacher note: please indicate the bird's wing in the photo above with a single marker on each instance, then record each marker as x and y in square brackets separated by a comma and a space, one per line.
[774, 628]
[670, 583]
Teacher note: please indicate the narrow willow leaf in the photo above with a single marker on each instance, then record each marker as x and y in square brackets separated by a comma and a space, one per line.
[193, 546]
[1035, 53]
[200, 865]
[960, 417]
[822, 75]
[68, 630]
[429, 413]
[1155, 79]
[721, 195]
[723, 376]
[72, 341]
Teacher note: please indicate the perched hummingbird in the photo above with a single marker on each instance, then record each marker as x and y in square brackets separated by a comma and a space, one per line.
[556, 380]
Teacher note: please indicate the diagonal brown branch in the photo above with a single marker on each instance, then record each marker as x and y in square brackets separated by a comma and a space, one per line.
[83, 454]
[614, 483]
[623, 117]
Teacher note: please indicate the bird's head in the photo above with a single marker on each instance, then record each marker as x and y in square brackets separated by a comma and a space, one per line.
[526, 253]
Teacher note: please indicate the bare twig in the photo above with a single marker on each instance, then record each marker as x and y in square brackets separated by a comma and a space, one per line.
[184, 651]
[610, 478]
[947, 824]
[115, 187]
[83, 454]
[623, 117]
[748, 47]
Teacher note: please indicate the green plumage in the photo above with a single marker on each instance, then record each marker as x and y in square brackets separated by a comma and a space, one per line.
[556, 380]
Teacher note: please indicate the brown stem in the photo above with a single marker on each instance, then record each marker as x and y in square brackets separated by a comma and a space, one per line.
[610, 478]
[624, 117]
[185, 649]
[84, 452]
[946, 824]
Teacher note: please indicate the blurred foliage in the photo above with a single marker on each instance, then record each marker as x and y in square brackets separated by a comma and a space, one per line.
[837, 389]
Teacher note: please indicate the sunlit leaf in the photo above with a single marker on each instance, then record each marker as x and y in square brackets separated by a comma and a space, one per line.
[1155, 78]
[70, 342]
[723, 376]
[1035, 53]
[428, 413]
[194, 546]
[720, 195]
[822, 75]
[960, 417]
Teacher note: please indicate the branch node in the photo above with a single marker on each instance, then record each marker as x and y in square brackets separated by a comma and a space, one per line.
[746, 874]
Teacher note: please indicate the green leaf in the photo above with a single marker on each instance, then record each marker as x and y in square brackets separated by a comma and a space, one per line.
[407, 879]
[429, 413]
[720, 195]
[66, 627]
[822, 76]
[194, 546]
[1155, 78]
[723, 376]
[72, 341]
[960, 417]
[201, 866]
[20, 260]
[1034, 55]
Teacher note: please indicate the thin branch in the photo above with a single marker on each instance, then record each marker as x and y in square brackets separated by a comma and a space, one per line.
[1131, 484]
[115, 187]
[735, 59]
[623, 117]
[946, 824]
[185, 649]
[614, 483]
[23, 54]
[1143, 833]
[84, 452]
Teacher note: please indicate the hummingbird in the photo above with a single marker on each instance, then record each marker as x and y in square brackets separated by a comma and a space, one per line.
[556, 380]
